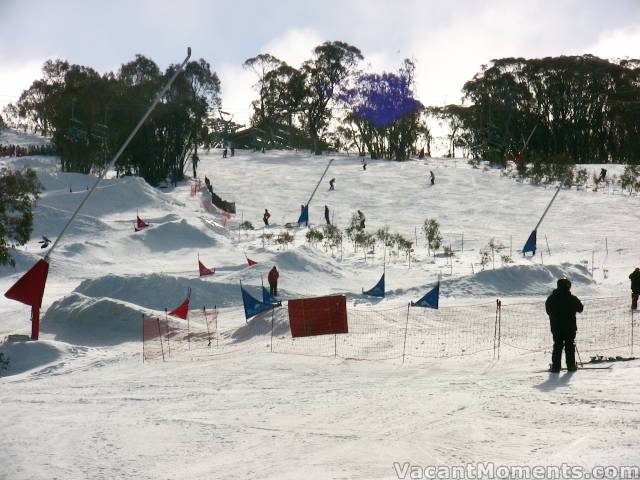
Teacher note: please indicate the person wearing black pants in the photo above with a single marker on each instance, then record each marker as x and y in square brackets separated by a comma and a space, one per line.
[562, 307]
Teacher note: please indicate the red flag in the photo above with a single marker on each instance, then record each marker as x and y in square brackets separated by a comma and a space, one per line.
[30, 288]
[183, 310]
[204, 271]
[251, 262]
[140, 224]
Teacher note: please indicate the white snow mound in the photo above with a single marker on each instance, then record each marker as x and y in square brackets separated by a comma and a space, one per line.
[172, 236]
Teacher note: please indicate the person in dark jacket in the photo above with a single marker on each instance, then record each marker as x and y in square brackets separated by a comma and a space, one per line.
[273, 281]
[332, 184]
[194, 162]
[326, 215]
[265, 217]
[562, 307]
[432, 177]
[635, 288]
[362, 219]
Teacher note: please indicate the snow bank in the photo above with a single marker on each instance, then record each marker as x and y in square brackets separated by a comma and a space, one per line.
[157, 291]
[172, 236]
[27, 355]
[518, 280]
[10, 136]
[83, 320]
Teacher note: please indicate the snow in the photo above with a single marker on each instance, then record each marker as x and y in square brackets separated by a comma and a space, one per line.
[81, 403]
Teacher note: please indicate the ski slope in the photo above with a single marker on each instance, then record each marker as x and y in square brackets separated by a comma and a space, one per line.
[80, 403]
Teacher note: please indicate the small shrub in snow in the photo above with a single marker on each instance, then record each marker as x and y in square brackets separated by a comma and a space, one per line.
[247, 225]
[314, 236]
[431, 229]
[284, 238]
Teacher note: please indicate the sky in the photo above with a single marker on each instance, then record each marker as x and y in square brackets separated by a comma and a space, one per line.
[448, 40]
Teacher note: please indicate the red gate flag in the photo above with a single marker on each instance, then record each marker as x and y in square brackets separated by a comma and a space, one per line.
[183, 310]
[251, 262]
[318, 316]
[30, 288]
[204, 271]
[140, 224]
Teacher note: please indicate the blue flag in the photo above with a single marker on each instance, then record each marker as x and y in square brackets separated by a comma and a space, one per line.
[252, 306]
[430, 300]
[378, 290]
[530, 246]
[267, 299]
[304, 216]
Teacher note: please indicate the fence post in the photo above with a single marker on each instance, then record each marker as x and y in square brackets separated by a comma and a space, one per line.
[143, 334]
[335, 345]
[406, 327]
[160, 337]
[632, 327]
[206, 321]
[495, 329]
[271, 340]
[546, 240]
[215, 308]
[166, 319]
[188, 332]
[462, 249]
[499, 326]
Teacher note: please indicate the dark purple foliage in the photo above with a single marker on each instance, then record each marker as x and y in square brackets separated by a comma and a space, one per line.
[381, 99]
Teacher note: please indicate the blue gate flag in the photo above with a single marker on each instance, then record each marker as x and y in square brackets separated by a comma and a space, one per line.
[252, 306]
[378, 290]
[304, 216]
[267, 299]
[530, 246]
[430, 300]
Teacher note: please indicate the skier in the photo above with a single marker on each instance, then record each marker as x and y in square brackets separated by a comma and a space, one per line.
[362, 219]
[224, 152]
[44, 242]
[301, 209]
[635, 288]
[326, 215]
[273, 281]
[194, 163]
[233, 150]
[432, 177]
[562, 307]
[265, 217]
[331, 184]
[364, 164]
[603, 174]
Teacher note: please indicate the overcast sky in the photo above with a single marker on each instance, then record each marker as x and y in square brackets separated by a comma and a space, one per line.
[449, 40]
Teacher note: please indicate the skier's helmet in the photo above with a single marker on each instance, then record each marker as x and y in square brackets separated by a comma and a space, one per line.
[564, 284]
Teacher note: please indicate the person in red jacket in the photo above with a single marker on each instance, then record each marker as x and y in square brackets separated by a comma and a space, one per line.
[273, 281]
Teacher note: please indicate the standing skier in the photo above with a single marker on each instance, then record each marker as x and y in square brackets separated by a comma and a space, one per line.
[331, 184]
[361, 218]
[562, 307]
[603, 174]
[194, 162]
[432, 177]
[265, 217]
[635, 288]
[273, 281]
[364, 164]
[326, 215]
[224, 152]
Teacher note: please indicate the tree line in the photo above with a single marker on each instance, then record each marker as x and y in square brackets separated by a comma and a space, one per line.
[568, 109]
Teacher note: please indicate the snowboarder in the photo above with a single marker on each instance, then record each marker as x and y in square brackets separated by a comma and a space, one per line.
[326, 215]
[301, 209]
[635, 288]
[562, 306]
[224, 152]
[265, 217]
[603, 174]
[432, 177]
[362, 219]
[331, 184]
[233, 150]
[194, 163]
[273, 281]
[45, 242]
[364, 164]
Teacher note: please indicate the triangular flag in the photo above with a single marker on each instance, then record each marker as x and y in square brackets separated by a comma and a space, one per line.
[140, 224]
[252, 306]
[204, 271]
[530, 246]
[430, 300]
[251, 262]
[183, 310]
[304, 216]
[29, 289]
[378, 290]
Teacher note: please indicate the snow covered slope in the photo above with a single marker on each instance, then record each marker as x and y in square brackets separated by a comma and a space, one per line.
[82, 404]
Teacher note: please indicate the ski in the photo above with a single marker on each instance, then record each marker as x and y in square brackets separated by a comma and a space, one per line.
[586, 367]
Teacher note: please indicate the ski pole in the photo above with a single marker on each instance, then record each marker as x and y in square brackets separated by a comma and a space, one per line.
[578, 352]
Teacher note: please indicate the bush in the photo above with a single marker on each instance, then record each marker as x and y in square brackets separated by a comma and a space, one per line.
[332, 236]
[247, 225]
[284, 238]
[629, 179]
[581, 176]
[432, 232]
[314, 236]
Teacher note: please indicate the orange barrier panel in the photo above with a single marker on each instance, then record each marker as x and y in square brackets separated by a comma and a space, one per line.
[318, 316]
